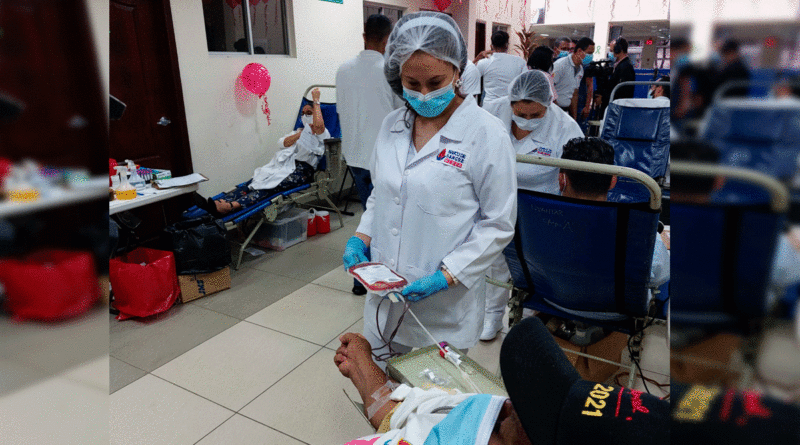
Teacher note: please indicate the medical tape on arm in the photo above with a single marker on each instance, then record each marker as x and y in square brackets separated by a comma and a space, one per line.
[381, 397]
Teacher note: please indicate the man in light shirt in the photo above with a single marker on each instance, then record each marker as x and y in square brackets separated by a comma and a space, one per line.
[568, 73]
[471, 81]
[498, 70]
[363, 99]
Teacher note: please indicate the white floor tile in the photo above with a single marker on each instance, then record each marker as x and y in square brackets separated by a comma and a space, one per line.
[93, 373]
[151, 411]
[314, 313]
[54, 411]
[237, 365]
[357, 327]
[655, 350]
[309, 404]
[240, 430]
[337, 279]
[487, 353]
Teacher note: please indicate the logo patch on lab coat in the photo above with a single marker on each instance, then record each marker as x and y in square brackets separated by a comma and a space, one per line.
[543, 151]
[441, 154]
[454, 158]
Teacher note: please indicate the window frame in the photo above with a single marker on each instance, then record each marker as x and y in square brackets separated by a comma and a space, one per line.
[248, 28]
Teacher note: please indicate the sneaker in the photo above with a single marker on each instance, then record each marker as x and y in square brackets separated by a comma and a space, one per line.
[492, 324]
[359, 289]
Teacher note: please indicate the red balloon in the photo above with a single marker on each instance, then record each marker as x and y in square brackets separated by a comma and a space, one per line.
[256, 79]
[234, 3]
[254, 2]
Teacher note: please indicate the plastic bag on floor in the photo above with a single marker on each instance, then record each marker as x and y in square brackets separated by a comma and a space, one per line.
[144, 282]
[49, 285]
[199, 245]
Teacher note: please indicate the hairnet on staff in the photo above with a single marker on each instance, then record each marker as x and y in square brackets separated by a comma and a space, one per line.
[432, 32]
[531, 85]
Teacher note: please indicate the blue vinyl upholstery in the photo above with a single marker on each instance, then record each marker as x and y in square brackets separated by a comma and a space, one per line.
[587, 261]
[721, 260]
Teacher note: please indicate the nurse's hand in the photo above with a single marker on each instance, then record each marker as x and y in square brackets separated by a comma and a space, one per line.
[355, 252]
[425, 287]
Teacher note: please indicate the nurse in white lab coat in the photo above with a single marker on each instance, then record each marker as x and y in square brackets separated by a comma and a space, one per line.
[537, 126]
[443, 206]
[498, 70]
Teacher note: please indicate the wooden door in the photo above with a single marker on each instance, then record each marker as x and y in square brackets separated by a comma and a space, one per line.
[144, 75]
[49, 65]
[480, 37]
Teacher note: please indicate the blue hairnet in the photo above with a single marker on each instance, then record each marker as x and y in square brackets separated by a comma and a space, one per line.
[531, 85]
[432, 32]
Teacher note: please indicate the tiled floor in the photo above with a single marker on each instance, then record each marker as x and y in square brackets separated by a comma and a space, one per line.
[254, 364]
[54, 381]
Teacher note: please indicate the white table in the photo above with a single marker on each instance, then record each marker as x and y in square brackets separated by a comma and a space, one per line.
[95, 188]
[117, 206]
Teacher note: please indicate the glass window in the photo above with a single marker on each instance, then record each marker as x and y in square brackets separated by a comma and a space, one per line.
[231, 26]
[394, 14]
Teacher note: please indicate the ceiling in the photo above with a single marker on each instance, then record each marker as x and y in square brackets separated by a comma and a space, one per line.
[630, 30]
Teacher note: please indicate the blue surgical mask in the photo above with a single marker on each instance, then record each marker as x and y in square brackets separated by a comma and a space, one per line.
[528, 124]
[562, 54]
[431, 104]
[587, 59]
[307, 119]
[611, 55]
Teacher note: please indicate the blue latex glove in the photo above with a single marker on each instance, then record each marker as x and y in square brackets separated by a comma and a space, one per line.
[425, 287]
[355, 252]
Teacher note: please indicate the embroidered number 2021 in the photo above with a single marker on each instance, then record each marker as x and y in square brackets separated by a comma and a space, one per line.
[600, 392]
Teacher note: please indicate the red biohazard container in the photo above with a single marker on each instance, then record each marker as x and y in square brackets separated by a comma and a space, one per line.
[50, 285]
[145, 282]
[312, 222]
[323, 221]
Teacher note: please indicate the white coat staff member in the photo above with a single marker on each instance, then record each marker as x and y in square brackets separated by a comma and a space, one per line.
[498, 71]
[363, 98]
[537, 126]
[443, 204]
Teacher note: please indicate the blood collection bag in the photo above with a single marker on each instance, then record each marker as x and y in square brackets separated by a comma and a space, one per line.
[378, 278]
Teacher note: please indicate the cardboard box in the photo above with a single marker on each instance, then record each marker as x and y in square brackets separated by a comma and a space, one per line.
[195, 286]
[105, 289]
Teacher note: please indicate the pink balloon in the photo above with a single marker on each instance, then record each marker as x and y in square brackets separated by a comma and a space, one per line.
[256, 79]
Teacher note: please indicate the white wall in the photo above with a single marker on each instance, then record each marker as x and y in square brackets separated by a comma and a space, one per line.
[515, 13]
[466, 12]
[590, 11]
[230, 138]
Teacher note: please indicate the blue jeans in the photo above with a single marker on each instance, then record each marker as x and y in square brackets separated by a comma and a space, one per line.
[363, 183]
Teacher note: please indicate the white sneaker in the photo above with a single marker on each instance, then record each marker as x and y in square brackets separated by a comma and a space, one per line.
[492, 324]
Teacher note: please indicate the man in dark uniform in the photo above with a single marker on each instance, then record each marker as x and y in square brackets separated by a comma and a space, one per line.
[733, 68]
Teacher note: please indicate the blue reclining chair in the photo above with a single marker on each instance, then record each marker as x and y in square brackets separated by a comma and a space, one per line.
[329, 168]
[639, 131]
[722, 253]
[759, 134]
[585, 261]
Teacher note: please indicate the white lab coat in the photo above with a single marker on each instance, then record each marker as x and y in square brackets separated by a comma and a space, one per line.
[363, 99]
[433, 213]
[309, 148]
[557, 130]
[498, 70]
[471, 80]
